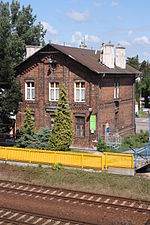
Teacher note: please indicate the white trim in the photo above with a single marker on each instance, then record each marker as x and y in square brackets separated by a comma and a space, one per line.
[80, 91]
[30, 90]
[55, 89]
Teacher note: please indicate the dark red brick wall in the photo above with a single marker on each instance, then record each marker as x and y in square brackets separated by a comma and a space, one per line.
[99, 96]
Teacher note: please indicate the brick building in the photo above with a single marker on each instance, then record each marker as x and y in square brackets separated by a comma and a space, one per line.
[101, 89]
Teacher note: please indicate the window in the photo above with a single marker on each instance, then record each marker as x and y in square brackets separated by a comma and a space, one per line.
[53, 91]
[116, 120]
[29, 91]
[79, 92]
[116, 89]
[80, 126]
[52, 121]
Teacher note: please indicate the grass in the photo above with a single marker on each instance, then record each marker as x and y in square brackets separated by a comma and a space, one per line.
[135, 187]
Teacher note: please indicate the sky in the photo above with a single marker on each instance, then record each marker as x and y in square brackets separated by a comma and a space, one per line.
[126, 22]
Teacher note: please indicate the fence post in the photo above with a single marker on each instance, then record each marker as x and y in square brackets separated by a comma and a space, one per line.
[55, 157]
[135, 158]
[29, 155]
[105, 160]
[82, 160]
[6, 156]
[132, 163]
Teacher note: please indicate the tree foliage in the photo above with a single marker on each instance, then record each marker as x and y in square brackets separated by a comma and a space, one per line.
[9, 91]
[24, 31]
[17, 29]
[27, 132]
[62, 134]
[143, 86]
[43, 138]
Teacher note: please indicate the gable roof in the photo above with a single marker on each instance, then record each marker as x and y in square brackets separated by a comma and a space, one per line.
[86, 57]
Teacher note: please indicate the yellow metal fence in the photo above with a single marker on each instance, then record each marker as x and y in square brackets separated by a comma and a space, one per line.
[83, 160]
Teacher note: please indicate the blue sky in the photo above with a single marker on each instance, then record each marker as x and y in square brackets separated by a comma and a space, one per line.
[120, 21]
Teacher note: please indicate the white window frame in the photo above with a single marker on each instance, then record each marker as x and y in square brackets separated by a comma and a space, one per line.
[30, 91]
[80, 91]
[116, 89]
[54, 88]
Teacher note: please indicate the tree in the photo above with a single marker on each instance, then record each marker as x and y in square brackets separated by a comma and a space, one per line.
[43, 138]
[62, 134]
[27, 132]
[17, 29]
[144, 85]
[9, 91]
[134, 62]
[23, 30]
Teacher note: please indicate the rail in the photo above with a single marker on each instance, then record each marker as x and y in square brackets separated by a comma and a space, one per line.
[82, 160]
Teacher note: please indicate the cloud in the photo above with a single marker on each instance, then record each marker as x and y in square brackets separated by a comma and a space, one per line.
[92, 38]
[119, 18]
[124, 43]
[146, 54]
[115, 4]
[130, 32]
[50, 29]
[77, 38]
[141, 40]
[99, 4]
[78, 16]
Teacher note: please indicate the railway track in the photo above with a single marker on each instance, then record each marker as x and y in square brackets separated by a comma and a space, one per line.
[74, 197]
[18, 217]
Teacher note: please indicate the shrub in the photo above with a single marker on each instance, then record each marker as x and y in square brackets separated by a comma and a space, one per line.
[43, 138]
[57, 166]
[101, 146]
[136, 140]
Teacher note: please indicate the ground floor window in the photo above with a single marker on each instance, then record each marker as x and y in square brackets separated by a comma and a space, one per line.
[52, 122]
[80, 126]
[116, 120]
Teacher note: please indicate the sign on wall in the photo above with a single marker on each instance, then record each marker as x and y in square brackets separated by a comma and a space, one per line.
[93, 122]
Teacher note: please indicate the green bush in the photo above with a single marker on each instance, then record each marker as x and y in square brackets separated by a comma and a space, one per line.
[57, 166]
[101, 146]
[136, 140]
[42, 138]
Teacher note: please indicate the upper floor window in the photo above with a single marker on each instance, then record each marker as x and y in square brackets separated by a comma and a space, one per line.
[29, 91]
[116, 89]
[53, 91]
[79, 92]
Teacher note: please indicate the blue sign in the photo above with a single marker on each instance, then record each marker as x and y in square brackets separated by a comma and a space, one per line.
[107, 130]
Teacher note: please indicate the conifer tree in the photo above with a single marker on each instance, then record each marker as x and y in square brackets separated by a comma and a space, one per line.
[27, 132]
[28, 125]
[62, 134]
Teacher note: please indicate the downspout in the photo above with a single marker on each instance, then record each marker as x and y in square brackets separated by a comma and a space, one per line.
[133, 105]
[98, 110]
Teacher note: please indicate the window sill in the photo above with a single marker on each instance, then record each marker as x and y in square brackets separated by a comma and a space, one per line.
[117, 99]
[79, 137]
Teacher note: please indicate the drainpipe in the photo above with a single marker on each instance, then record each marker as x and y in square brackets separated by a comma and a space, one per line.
[133, 105]
[98, 110]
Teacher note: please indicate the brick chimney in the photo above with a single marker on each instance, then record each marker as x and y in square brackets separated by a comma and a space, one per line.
[30, 50]
[120, 59]
[107, 55]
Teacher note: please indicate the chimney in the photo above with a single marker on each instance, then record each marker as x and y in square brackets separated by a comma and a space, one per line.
[120, 59]
[107, 55]
[30, 50]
